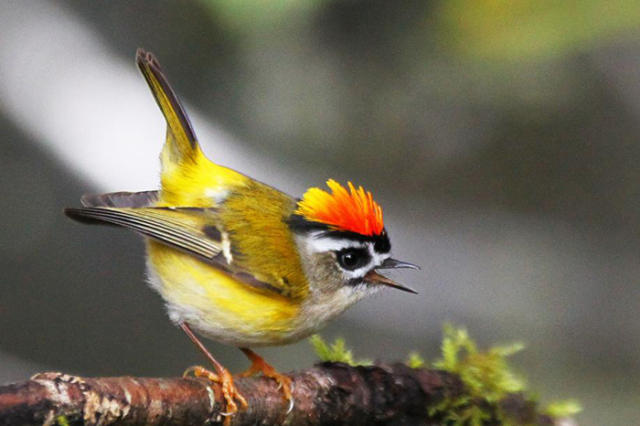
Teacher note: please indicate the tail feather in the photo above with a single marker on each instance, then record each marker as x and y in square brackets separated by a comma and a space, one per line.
[121, 199]
[181, 143]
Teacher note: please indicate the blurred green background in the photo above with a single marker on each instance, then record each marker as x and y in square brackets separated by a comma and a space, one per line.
[500, 137]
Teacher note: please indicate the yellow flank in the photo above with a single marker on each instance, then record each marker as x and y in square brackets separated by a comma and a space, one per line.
[225, 306]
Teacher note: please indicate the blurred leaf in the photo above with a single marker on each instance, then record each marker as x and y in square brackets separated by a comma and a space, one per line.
[249, 16]
[561, 409]
[532, 29]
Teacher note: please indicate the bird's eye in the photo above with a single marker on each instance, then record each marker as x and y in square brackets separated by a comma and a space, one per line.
[353, 258]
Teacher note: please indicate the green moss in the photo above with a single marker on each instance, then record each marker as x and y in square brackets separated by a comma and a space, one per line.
[415, 360]
[336, 352]
[62, 421]
[486, 375]
[565, 408]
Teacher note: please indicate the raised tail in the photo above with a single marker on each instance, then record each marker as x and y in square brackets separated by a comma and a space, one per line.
[181, 143]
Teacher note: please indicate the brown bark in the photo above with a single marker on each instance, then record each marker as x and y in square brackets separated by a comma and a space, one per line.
[329, 393]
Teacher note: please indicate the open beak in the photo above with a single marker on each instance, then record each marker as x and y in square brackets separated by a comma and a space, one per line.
[373, 277]
[397, 264]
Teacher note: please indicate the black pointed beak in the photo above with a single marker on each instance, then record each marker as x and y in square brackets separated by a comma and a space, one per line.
[373, 277]
[397, 264]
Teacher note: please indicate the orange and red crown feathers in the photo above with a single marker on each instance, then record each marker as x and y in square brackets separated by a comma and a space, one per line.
[342, 210]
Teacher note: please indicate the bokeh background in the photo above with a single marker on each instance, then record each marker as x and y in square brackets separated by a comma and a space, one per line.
[501, 137]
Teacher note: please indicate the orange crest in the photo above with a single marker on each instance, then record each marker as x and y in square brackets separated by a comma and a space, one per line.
[353, 210]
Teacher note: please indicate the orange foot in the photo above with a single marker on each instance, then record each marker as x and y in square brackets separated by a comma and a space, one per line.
[223, 377]
[259, 365]
[229, 390]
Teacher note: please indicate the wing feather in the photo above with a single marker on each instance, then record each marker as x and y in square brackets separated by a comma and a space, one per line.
[189, 229]
[177, 227]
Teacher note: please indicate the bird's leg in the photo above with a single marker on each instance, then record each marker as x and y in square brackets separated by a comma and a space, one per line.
[221, 376]
[259, 365]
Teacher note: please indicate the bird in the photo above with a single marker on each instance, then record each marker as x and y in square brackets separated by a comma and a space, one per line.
[238, 261]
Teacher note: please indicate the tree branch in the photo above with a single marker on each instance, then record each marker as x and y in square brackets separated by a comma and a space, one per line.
[328, 393]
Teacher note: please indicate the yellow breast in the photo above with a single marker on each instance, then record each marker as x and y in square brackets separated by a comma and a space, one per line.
[216, 304]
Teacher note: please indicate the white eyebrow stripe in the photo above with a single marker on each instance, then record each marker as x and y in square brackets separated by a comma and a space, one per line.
[318, 244]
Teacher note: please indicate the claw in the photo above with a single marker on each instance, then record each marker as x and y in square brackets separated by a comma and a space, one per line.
[199, 371]
[291, 401]
[259, 365]
[225, 380]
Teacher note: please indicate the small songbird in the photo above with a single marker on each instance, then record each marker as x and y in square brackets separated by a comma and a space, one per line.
[238, 261]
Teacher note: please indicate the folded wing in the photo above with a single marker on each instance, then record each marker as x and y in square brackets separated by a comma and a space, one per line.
[187, 229]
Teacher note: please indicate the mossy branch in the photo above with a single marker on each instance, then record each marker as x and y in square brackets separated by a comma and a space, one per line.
[329, 393]
[465, 387]
[486, 376]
